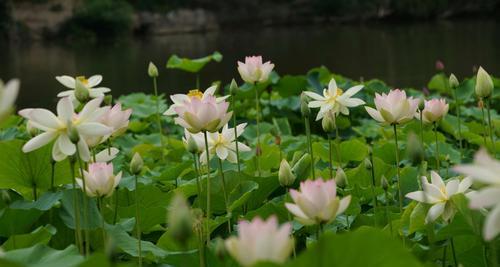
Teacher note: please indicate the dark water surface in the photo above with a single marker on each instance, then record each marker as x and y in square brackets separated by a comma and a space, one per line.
[401, 54]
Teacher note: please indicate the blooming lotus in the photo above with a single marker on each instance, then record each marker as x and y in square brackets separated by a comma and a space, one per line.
[253, 70]
[317, 202]
[334, 100]
[438, 194]
[107, 154]
[8, 95]
[485, 170]
[100, 180]
[89, 83]
[67, 128]
[180, 99]
[223, 144]
[393, 108]
[203, 114]
[117, 119]
[260, 240]
[434, 110]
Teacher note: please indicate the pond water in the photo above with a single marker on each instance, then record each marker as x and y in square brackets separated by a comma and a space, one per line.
[401, 54]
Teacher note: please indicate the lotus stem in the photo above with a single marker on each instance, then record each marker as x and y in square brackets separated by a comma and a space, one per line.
[457, 104]
[337, 141]
[330, 155]
[116, 206]
[494, 257]
[484, 123]
[400, 194]
[492, 137]
[257, 117]
[195, 163]
[438, 168]
[101, 209]
[85, 204]
[34, 191]
[137, 220]
[453, 252]
[158, 118]
[226, 201]
[308, 133]
[373, 189]
[443, 263]
[387, 212]
[52, 175]
[290, 220]
[236, 134]
[76, 207]
[208, 185]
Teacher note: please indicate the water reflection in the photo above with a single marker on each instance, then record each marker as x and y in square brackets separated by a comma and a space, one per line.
[401, 54]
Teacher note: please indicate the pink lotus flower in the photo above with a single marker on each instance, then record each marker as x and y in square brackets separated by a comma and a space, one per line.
[434, 110]
[203, 114]
[180, 99]
[260, 240]
[393, 108]
[117, 119]
[253, 70]
[100, 180]
[317, 202]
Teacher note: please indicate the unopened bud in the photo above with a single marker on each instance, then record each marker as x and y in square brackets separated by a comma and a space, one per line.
[302, 167]
[73, 135]
[180, 219]
[233, 88]
[192, 146]
[32, 131]
[81, 91]
[484, 83]
[421, 103]
[368, 164]
[453, 81]
[136, 164]
[385, 183]
[152, 70]
[286, 176]
[328, 122]
[304, 108]
[341, 178]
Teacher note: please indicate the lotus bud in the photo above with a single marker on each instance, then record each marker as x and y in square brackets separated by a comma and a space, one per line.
[286, 176]
[328, 122]
[108, 100]
[180, 219]
[302, 167]
[341, 178]
[297, 155]
[233, 88]
[439, 65]
[453, 81]
[152, 70]
[421, 103]
[192, 146]
[81, 91]
[136, 164]
[415, 149]
[484, 83]
[385, 183]
[368, 164]
[32, 131]
[304, 108]
[73, 134]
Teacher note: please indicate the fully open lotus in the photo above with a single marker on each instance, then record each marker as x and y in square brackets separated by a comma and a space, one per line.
[89, 83]
[434, 110]
[335, 100]
[203, 114]
[253, 70]
[180, 99]
[223, 144]
[393, 108]
[317, 202]
[260, 240]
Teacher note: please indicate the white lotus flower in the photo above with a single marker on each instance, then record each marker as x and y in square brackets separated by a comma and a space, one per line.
[335, 100]
[393, 108]
[90, 83]
[439, 193]
[180, 99]
[223, 144]
[107, 154]
[486, 170]
[260, 240]
[8, 95]
[66, 126]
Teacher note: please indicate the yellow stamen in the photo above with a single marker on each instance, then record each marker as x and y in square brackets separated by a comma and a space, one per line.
[195, 93]
[83, 80]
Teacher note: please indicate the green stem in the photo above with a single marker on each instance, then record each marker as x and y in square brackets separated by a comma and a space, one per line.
[493, 256]
[400, 194]
[387, 213]
[443, 263]
[208, 186]
[52, 175]
[195, 162]
[330, 155]
[457, 104]
[236, 134]
[76, 206]
[290, 220]
[116, 206]
[421, 130]
[158, 118]
[226, 201]
[438, 168]
[34, 191]
[373, 190]
[101, 209]
[453, 252]
[85, 204]
[137, 220]
[257, 107]
[337, 142]
[484, 126]
[492, 137]
[308, 133]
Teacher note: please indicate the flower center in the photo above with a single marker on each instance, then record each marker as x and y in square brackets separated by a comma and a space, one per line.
[195, 93]
[332, 98]
[83, 80]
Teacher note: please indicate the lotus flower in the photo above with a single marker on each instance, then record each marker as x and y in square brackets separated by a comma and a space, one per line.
[439, 193]
[335, 100]
[194, 143]
[253, 70]
[485, 170]
[8, 95]
[317, 202]
[67, 128]
[89, 83]
[100, 180]
[203, 114]
[117, 119]
[393, 108]
[107, 154]
[223, 144]
[180, 99]
[260, 240]
[484, 84]
[434, 110]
